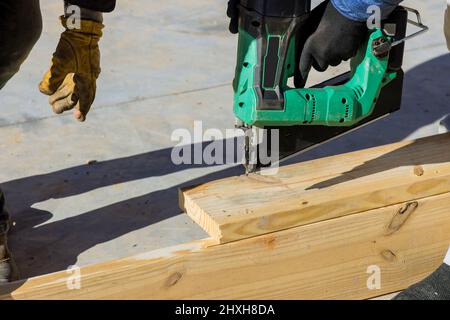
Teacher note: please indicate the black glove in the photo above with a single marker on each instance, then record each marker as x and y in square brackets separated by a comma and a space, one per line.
[335, 39]
[233, 14]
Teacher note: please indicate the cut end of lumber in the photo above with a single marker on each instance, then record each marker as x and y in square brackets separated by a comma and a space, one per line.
[196, 213]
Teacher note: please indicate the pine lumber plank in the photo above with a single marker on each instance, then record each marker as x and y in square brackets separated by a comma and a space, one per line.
[246, 206]
[323, 260]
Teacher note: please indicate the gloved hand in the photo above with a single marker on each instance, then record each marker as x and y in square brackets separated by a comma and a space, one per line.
[71, 80]
[233, 14]
[335, 39]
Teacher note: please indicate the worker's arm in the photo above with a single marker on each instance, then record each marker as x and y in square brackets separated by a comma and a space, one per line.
[337, 28]
[352, 9]
[358, 9]
[71, 79]
[341, 28]
[96, 5]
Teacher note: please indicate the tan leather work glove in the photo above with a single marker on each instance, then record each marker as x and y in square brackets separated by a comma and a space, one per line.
[71, 80]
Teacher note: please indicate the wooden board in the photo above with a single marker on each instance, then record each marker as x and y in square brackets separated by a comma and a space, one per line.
[324, 260]
[242, 207]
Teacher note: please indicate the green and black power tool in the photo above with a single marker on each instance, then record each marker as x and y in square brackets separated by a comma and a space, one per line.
[271, 39]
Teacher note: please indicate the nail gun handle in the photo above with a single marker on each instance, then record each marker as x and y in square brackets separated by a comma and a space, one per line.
[376, 65]
[395, 25]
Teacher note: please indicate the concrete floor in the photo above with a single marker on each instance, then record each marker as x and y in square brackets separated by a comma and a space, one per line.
[165, 64]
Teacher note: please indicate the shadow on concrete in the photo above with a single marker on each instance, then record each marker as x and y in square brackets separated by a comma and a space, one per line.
[34, 242]
[425, 100]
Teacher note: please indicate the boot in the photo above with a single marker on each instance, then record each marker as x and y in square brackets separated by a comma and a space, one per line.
[7, 269]
[5, 263]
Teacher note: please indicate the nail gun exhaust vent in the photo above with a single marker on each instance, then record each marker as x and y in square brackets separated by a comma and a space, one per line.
[312, 101]
[358, 91]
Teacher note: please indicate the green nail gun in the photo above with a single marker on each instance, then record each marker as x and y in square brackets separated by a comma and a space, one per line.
[269, 47]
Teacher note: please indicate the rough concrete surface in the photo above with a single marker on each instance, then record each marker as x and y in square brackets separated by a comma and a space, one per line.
[165, 64]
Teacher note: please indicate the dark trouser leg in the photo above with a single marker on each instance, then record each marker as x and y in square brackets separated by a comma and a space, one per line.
[434, 287]
[20, 28]
[5, 262]
[4, 217]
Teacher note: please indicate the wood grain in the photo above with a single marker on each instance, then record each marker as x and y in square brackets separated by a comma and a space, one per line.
[324, 260]
[246, 206]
